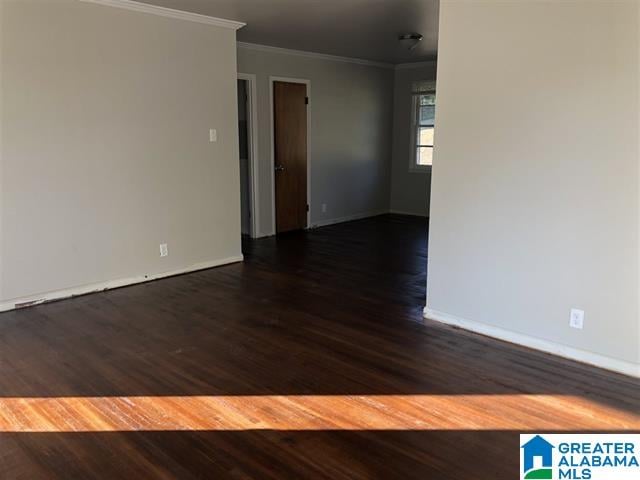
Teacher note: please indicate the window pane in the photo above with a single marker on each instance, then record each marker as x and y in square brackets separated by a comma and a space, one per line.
[429, 99]
[424, 87]
[424, 156]
[424, 118]
[425, 136]
[427, 115]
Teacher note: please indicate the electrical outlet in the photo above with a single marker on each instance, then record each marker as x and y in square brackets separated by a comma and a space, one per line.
[576, 320]
[324, 208]
[213, 135]
[164, 250]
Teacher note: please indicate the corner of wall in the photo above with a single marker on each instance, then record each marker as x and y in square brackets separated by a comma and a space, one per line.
[617, 335]
[637, 31]
[394, 133]
[1, 147]
[153, 155]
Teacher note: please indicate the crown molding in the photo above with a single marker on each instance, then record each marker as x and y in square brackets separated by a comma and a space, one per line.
[335, 58]
[408, 66]
[320, 56]
[168, 12]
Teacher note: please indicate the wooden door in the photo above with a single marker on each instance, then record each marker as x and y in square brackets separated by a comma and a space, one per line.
[290, 160]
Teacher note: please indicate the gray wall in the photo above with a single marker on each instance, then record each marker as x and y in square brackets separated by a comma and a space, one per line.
[410, 190]
[349, 143]
[534, 205]
[105, 125]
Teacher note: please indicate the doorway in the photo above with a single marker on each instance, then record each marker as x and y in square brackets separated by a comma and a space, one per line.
[245, 176]
[247, 136]
[290, 99]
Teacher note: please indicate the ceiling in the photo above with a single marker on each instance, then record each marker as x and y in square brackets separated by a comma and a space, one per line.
[366, 29]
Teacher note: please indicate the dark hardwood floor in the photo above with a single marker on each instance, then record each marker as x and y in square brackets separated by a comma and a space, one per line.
[309, 360]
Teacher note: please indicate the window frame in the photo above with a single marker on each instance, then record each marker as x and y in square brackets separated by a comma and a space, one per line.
[414, 167]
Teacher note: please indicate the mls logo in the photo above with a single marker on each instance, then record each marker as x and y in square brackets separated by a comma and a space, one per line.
[536, 460]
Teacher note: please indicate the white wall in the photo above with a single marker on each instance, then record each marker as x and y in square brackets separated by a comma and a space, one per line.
[534, 204]
[2, 4]
[410, 190]
[105, 153]
[350, 133]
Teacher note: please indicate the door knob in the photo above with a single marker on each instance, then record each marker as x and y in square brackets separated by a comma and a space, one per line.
[279, 168]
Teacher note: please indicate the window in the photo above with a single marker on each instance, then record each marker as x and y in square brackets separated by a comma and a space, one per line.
[422, 125]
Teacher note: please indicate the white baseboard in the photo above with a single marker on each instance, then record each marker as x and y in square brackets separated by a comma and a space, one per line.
[333, 221]
[595, 359]
[348, 218]
[413, 214]
[264, 235]
[101, 286]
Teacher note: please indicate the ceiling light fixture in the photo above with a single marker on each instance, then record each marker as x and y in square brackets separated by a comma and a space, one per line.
[409, 41]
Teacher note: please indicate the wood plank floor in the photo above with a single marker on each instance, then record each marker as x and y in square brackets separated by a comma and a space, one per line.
[309, 360]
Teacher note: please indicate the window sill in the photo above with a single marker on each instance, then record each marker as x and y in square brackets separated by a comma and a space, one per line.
[416, 169]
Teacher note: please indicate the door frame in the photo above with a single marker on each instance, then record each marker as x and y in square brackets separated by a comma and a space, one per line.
[252, 140]
[307, 82]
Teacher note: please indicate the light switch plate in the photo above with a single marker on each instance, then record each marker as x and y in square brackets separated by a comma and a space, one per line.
[576, 320]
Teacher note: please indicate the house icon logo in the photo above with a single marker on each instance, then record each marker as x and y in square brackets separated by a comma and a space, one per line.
[537, 459]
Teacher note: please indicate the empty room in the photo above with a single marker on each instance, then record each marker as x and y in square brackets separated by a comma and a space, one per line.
[341, 239]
